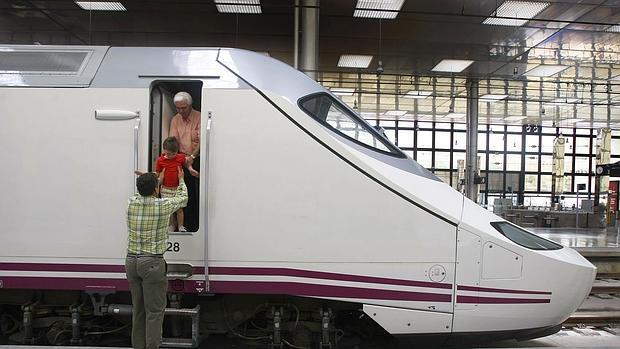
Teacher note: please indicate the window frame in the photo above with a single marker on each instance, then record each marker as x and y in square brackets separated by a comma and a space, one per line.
[394, 150]
[497, 226]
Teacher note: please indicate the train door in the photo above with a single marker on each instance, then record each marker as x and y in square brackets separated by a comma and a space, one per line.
[185, 255]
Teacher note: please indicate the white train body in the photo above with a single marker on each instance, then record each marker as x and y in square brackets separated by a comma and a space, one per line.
[291, 205]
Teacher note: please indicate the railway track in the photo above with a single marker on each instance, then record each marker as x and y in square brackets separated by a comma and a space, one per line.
[602, 307]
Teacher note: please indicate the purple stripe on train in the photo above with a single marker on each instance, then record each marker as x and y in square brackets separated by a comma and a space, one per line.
[322, 275]
[314, 290]
[74, 268]
[64, 267]
[257, 271]
[496, 300]
[498, 290]
[90, 284]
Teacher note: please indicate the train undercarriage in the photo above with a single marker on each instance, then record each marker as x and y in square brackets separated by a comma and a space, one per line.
[104, 319]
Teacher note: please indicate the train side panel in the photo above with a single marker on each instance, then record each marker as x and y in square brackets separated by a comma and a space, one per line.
[289, 216]
[66, 186]
[70, 176]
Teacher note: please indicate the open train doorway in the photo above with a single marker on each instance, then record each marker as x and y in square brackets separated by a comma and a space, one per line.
[186, 127]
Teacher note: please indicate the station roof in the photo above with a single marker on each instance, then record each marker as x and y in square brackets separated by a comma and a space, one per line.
[550, 59]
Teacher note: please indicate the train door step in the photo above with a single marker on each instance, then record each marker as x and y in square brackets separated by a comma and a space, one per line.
[179, 271]
[192, 342]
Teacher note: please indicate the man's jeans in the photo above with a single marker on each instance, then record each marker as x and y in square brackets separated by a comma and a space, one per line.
[148, 284]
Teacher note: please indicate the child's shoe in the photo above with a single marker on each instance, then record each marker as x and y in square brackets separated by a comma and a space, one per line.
[171, 228]
[182, 229]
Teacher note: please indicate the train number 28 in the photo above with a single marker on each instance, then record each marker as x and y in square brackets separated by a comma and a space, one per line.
[173, 247]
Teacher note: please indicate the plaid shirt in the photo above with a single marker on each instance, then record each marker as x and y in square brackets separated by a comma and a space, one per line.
[147, 221]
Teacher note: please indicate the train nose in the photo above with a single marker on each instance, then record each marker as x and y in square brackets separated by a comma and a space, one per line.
[572, 277]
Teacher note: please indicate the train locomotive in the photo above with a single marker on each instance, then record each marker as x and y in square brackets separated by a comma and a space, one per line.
[312, 226]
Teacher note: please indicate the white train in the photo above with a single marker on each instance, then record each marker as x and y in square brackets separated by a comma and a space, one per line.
[307, 215]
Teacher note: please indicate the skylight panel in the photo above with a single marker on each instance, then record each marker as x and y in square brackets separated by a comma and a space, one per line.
[563, 101]
[100, 6]
[415, 94]
[613, 29]
[545, 70]
[452, 65]
[521, 11]
[354, 61]
[384, 9]
[238, 6]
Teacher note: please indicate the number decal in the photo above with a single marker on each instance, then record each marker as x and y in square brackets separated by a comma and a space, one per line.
[173, 247]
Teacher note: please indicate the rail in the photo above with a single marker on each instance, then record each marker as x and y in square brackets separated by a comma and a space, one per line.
[602, 307]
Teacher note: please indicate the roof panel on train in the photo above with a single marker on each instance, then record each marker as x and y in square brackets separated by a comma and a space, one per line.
[139, 66]
[49, 66]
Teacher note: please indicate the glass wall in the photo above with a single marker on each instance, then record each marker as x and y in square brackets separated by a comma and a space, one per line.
[516, 160]
[425, 116]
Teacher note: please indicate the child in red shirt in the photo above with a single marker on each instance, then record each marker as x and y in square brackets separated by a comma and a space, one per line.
[167, 168]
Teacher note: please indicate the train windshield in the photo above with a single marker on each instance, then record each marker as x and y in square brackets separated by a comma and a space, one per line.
[524, 238]
[334, 115]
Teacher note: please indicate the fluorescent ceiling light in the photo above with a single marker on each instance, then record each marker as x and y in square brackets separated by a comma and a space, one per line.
[101, 6]
[613, 29]
[342, 91]
[563, 101]
[395, 112]
[521, 11]
[384, 9]
[417, 94]
[490, 98]
[354, 61]
[238, 6]
[571, 120]
[544, 70]
[593, 124]
[423, 116]
[515, 118]
[452, 65]
[455, 115]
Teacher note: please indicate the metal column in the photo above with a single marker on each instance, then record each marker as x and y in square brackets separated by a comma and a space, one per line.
[296, 36]
[471, 153]
[310, 37]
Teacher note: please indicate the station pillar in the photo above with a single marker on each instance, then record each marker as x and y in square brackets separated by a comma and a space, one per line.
[471, 153]
[309, 37]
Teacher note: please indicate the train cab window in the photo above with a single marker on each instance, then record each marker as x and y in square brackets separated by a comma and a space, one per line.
[524, 238]
[163, 110]
[335, 116]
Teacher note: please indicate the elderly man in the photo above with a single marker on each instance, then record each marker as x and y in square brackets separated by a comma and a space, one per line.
[185, 126]
[147, 224]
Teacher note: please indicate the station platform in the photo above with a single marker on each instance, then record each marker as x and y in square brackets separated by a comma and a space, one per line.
[576, 338]
[567, 338]
[581, 237]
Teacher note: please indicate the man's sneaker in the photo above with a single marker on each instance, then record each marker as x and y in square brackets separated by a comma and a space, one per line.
[182, 229]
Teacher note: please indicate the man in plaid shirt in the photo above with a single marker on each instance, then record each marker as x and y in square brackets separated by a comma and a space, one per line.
[147, 224]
